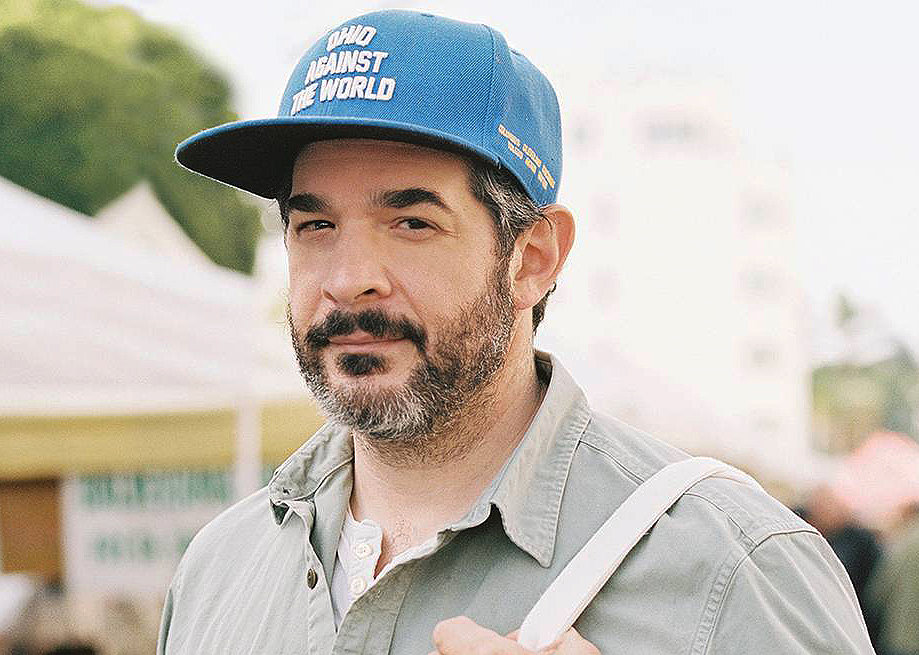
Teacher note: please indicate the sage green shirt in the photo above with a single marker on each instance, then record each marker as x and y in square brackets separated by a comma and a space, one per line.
[727, 570]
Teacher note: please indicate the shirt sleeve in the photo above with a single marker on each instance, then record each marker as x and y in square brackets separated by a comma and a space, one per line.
[789, 596]
[166, 619]
[164, 624]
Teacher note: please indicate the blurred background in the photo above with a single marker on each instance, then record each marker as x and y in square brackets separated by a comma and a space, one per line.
[743, 285]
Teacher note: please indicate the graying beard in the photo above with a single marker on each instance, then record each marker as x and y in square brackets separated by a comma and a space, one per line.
[382, 415]
[428, 419]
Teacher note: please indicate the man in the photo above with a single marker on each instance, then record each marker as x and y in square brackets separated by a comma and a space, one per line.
[857, 547]
[416, 162]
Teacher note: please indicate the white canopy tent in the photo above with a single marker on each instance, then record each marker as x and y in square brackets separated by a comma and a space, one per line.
[94, 325]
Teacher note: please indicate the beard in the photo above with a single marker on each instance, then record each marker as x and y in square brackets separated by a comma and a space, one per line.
[448, 383]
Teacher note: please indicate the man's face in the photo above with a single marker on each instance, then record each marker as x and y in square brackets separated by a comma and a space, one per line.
[400, 309]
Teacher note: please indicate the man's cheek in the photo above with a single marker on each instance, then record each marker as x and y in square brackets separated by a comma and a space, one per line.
[303, 301]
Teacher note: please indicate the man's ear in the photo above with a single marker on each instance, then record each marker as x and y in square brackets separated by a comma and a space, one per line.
[539, 254]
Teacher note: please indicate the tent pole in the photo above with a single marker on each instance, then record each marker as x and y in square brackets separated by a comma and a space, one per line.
[247, 476]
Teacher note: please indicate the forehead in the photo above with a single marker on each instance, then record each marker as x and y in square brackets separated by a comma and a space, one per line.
[371, 161]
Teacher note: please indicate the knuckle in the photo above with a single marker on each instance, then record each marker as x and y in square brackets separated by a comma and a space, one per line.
[440, 633]
[444, 630]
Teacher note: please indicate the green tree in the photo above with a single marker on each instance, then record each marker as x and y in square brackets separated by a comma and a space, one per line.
[94, 100]
[853, 400]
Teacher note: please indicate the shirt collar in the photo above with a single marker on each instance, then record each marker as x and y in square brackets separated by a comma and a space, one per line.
[304, 472]
[527, 491]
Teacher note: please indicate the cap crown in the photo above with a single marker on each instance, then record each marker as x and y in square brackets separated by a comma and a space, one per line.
[408, 76]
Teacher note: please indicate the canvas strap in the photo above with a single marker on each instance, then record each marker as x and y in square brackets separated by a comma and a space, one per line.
[564, 600]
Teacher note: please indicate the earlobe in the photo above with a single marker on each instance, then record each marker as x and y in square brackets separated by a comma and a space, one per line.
[540, 254]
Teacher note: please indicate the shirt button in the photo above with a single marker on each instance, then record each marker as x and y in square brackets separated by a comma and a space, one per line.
[362, 549]
[358, 586]
[311, 578]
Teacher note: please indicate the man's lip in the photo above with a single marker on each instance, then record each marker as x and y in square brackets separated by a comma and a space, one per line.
[359, 340]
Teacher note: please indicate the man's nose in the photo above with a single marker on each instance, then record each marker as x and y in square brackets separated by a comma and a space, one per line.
[357, 271]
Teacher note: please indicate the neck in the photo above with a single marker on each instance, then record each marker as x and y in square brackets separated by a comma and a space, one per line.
[413, 491]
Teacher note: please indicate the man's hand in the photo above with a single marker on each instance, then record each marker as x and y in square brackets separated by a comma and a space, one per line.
[462, 636]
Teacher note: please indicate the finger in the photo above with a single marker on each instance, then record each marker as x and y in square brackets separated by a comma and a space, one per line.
[459, 636]
[550, 649]
[572, 643]
[463, 636]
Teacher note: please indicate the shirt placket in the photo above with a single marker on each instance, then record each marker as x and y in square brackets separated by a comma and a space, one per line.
[367, 628]
[364, 545]
[320, 619]
[369, 625]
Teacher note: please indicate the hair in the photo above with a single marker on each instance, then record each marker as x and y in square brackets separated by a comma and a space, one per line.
[512, 210]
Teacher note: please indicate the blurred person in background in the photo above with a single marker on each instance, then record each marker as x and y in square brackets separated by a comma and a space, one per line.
[893, 591]
[856, 546]
[54, 623]
[46, 623]
[416, 163]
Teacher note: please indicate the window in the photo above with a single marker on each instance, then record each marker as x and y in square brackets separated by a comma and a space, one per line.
[760, 209]
[763, 355]
[760, 284]
[674, 131]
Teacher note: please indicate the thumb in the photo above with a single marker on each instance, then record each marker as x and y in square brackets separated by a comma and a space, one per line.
[572, 643]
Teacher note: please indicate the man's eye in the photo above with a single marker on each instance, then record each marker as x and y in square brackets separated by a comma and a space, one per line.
[314, 226]
[414, 224]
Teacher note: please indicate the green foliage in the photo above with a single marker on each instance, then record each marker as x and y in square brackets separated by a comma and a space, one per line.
[852, 400]
[94, 100]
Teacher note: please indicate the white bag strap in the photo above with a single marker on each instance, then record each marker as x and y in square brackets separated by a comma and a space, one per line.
[564, 600]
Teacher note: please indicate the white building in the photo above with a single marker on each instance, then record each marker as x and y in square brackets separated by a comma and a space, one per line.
[680, 309]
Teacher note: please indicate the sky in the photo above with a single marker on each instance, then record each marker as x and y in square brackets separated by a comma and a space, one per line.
[828, 89]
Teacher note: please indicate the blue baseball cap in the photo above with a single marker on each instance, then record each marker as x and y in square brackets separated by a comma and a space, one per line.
[400, 76]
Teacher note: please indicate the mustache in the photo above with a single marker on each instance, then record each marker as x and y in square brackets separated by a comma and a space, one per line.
[374, 322]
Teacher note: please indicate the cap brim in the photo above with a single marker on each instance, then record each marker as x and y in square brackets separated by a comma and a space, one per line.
[257, 155]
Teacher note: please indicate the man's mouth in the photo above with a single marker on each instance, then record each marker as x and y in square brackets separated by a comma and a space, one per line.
[361, 339]
[354, 343]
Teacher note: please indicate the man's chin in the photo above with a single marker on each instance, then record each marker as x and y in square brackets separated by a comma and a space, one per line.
[374, 408]
[384, 383]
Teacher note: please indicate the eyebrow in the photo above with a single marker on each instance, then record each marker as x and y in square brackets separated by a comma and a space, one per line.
[403, 198]
[308, 202]
[396, 199]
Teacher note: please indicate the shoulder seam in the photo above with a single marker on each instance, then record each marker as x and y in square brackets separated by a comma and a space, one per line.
[719, 591]
[763, 528]
[637, 479]
[616, 448]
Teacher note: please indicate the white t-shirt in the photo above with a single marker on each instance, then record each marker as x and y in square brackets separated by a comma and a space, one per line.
[359, 550]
